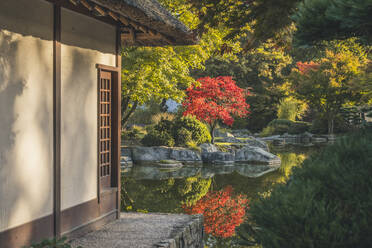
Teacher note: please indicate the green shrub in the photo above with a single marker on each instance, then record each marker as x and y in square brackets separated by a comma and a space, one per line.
[155, 119]
[320, 126]
[181, 131]
[291, 109]
[326, 203]
[193, 146]
[199, 131]
[158, 138]
[280, 122]
[183, 136]
[164, 125]
[134, 133]
[281, 126]
[299, 127]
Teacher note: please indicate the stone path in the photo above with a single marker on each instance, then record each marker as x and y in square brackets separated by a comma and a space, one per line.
[147, 230]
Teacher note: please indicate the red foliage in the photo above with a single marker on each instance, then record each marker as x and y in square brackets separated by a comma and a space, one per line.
[305, 67]
[216, 99]
[222, 212]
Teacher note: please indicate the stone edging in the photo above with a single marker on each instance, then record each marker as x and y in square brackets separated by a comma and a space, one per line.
[189, 235]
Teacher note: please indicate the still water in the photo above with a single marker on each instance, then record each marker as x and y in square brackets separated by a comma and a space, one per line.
[221, 193]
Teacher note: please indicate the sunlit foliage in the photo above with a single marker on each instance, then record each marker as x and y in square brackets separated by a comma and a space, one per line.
[326, 85]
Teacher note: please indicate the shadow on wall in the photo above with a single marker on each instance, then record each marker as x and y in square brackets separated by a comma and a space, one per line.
[79, 128]
[10, 88]
[25, 125]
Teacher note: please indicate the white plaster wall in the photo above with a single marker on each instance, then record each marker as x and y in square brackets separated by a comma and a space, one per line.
[26, 111]
[85, 42]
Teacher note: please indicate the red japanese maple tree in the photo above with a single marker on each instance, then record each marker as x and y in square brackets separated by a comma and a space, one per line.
[222, 211]
[216, 99]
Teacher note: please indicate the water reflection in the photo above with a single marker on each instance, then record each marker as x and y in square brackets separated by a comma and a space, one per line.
[159, 173]
[221, 193]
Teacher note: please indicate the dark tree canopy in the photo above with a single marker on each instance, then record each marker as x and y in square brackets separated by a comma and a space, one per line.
[318, 20]
[266, 17]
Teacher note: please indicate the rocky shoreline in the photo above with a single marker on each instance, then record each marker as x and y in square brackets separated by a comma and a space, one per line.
[247, 152]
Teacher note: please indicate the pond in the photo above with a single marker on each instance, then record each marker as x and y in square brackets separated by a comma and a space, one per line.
[221, 193]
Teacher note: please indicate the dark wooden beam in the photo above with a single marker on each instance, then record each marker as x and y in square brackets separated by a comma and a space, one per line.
[79, 8]
[117, 124]
[146, 37]
[57, 121]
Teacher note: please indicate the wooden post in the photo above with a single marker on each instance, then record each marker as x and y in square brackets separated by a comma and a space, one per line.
[57, 121]
[118, 116]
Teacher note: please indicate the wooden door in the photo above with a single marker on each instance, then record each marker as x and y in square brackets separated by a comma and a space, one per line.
[105, 130]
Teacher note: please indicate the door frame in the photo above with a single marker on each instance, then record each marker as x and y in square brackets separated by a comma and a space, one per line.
[115, 129]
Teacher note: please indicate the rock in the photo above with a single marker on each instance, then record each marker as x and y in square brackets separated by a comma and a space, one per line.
[319, 140]
[219, 133]
[126, 161]
[270, 138]
[257, 143]
[230, 140]
[157, 153]
[307, 134]
[148, 154]
[241, 133]
[207, 147]
[255, 155]
[218, 157]
[185, 155]
[170, 164]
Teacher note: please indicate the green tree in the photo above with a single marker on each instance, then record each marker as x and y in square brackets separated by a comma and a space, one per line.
[263, 19]
[318, 20]
[326, 85]
[154, 74]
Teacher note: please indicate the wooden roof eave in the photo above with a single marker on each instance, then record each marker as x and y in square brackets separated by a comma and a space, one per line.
[144, 36]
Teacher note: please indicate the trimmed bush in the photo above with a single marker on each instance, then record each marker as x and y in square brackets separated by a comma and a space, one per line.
[327, 202]
[158, 138]
[164, 126]
[181, 131]
[134, 133]
[299, 127]
[200, 132]
[183, 136]
[281, 126]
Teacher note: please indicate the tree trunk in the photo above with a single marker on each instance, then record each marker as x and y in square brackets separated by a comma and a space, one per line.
[330, 125]
[213, 126]
[125, 118]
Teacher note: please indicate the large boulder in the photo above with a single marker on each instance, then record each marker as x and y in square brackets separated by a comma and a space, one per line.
[252, 141]
[207, 147]
[241, 133]
[230, 140]
[142, 154]
[218, 157]
[184, 155]
[255, 155]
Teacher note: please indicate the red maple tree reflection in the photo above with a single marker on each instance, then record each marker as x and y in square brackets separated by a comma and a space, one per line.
[222, 211]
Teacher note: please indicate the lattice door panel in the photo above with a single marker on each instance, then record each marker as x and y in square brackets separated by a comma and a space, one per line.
[105, 134]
